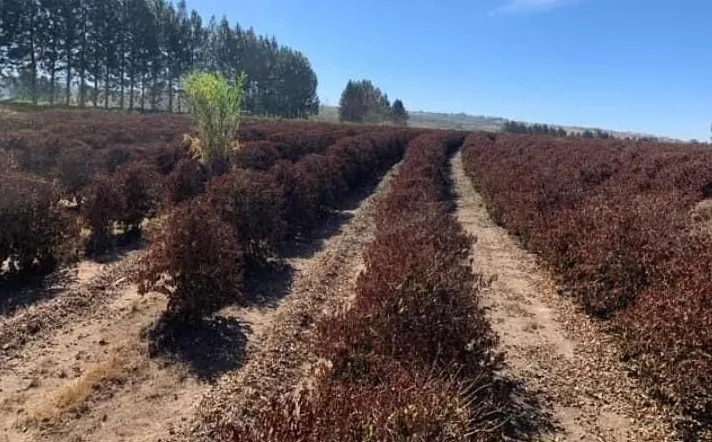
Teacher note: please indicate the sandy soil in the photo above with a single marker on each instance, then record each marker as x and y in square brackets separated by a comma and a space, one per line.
[56, 337]
[557, 353]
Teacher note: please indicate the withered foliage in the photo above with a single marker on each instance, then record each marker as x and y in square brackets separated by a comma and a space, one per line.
[196, 261]
[108, 171]
[251, 213]
[395, 405]
[412, 359]
[613, 220]
[35, 233]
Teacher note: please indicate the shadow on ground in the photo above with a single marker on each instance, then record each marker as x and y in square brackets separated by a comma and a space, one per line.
[267, 284]
[16, 294]
[207, 348]
[520, 414]
[694, 426]
[21, 291]
[214, 346]
[306, 246]
[354, 199]
[124, 244]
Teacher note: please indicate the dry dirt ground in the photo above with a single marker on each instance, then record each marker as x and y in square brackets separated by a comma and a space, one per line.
[558, 354]
[75, 364]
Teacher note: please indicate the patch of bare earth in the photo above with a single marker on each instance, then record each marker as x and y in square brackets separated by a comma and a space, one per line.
[56, 343]
[560, 355]
[277, 356]
[77, 367]
[33, 314]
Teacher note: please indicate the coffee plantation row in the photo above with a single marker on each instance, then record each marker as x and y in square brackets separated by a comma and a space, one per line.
[413, 358]
[627, 228]
[81, 181]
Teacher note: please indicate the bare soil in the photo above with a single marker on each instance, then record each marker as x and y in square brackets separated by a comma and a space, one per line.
[561, 356]
[60, 339]
[76, 364]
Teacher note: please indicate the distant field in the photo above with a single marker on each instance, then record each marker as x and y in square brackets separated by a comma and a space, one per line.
[422, 119]
[463, 121]
[431, 120]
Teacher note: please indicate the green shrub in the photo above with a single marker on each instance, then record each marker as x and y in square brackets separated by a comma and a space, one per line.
[215, 105]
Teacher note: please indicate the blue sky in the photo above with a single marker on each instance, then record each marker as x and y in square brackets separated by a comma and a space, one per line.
[639, 65]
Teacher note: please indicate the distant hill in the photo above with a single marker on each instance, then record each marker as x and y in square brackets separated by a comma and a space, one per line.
[462, 121]
[431, 119]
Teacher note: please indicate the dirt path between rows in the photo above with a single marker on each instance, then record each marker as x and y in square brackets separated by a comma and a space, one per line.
[65, 332]
[33, 314]
[559, 355]
[278, 358]
[78, 368]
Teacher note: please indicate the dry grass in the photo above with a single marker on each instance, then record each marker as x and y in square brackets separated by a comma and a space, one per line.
[74, 394]
[701, 217]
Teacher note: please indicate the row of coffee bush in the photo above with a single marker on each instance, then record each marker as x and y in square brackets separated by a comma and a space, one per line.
[628, 230]
[199, 257]
[73, 181]
[73, 150]
[412, 358]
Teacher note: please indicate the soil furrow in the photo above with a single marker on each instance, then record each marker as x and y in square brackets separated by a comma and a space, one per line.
[71, 295]
[559, 354]
[278, 357]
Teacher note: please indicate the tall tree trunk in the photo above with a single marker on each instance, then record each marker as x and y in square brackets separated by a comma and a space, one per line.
[121, 76]
[170, 92]
[95, 98]
[52, 81]
[106, 87]
[82, 61]
[154, 88]
[121, 88]
[143, 92]
[131, 93]
[69, 76]
[82, 82]
[131, 84]
[33, 63]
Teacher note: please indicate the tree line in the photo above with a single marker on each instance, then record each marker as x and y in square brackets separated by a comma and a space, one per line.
[133, 53]
[362, 102]
[544, 129]
[533, 129]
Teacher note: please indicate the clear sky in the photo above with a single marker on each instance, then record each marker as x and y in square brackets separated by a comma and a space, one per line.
[638, 65]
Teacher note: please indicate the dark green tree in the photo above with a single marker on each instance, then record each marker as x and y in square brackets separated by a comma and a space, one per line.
[23, 45]
[400, 115]
[362, 102]
[124, 50]
[51, 11]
